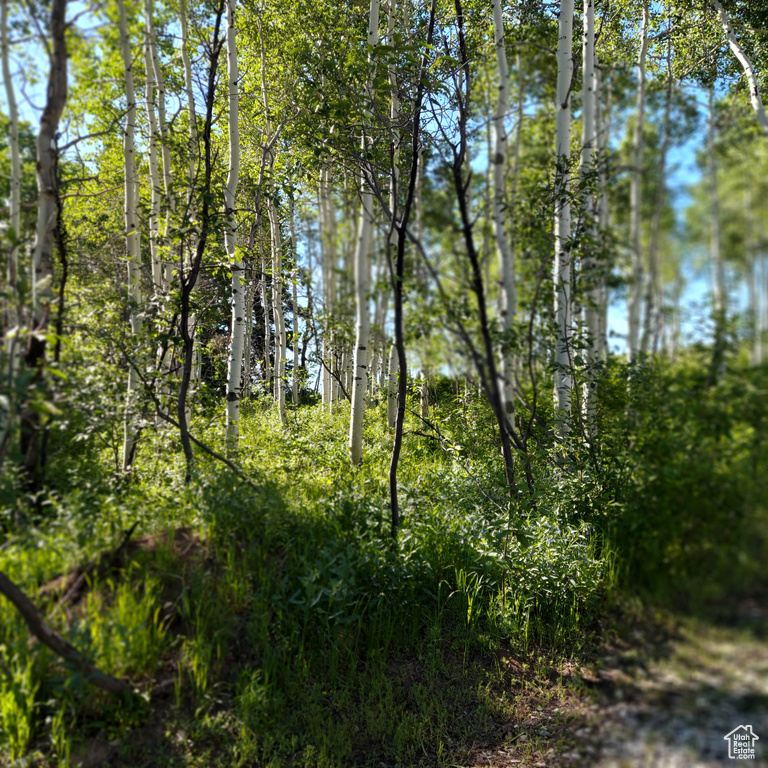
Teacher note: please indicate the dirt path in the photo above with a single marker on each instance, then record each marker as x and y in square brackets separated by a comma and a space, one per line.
[675, 710]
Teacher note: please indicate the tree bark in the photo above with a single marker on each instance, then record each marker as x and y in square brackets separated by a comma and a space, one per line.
[14, 202]
[188, 278]
[562, 226]
[746, 63]
[653, 289]
[589, 148]
[507, 288]
[132, 236]
[362, 276]
[296, 337]
[635, 194]
[277, 304]
[38, 627]
[720, 308]
[237, 332]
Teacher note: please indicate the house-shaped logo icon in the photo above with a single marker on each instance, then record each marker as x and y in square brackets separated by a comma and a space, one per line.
[741, 743]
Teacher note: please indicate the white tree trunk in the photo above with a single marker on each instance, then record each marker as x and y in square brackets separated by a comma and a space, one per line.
[653, 288]
[132, 232]
[562, 227]
[746, 64]
[266, 304]
[635, 195]
[362, 280]
[718, 270]
[14, 201]
[190, 94]
[154, 167]
[603, 119]
[235, 361]
[586, 169]
[295, 300]
[328, 243]
[277, 308]
[165, 149]
[507, 288]
[424, 393]
[392, 387]
[12, 319]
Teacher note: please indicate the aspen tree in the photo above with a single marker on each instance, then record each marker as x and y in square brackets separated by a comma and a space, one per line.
[603, 127]
[14, 201]
[653, 288]
[12, 320]
[588, 150]
[718, 271]
[191, 158]
[154, 168]
[362, 278]
[235, 360]
[746, 63]
[165, 149]
[328, 245]
[47, 232]
[507, 299]
[277, 304]
[47, 180]
[295, 300]
[392, 388]
[635, 201]
[424, 393]
[382, 290]
[132, 232]
[266, 304]
[562, 227]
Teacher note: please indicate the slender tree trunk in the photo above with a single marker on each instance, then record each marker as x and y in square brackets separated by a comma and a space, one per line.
[164, 146]
[652, 291]
[362, 279]
[190, 94]
[424, 394]
[47, 233]
[266, 304]
[248, 291]
[763, 304]
[328, 243]
[718, 271]
[562, 227]
[12, 315]
[392, 388]
[235, 361]
[746, 63]
[277, 304]
[154, 167]
[132, 235]
[589, 147]
[601, 297]
[397, 271]
[14, 201]
[753, 280]
[191, 166]
[296, 339]
[507, 288]
[635, 194]
[188, 279]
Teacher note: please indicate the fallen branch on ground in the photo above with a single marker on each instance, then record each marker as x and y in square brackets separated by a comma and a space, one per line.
[65, 650]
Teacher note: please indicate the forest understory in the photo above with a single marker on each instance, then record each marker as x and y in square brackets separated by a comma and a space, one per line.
[274, 622]
[383, 383]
